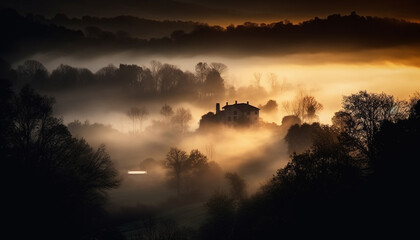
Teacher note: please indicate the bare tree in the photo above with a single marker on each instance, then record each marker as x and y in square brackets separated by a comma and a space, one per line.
[303, 106]
[197, 166]
[363, 114]
[201, 70]
[257, 77]
[167, 112]
[287, 107]
[310, 106]
[137, 115]
[185, 168]
[133, 114]
[272, 78]
[181, 119]
[41, 148]
[220, 67]
[210, 151]
[32, 72]
[143, 113]
[177, 163]
[155, 67]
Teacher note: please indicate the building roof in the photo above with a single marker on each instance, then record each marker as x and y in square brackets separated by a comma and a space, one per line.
[243, 107]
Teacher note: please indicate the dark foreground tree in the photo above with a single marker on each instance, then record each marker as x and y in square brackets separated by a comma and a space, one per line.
[57, 183]
[362, 116]
[395, 179]
[220, 220]
[316, 194]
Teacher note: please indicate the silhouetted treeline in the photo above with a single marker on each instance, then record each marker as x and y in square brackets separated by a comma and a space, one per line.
[343, 185]
[31, 34]
[55, 185]
[158, 80]
[124, 25]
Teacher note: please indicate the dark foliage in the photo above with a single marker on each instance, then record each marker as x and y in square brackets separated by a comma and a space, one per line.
[190, 173]
[128, 25]
[269, 107]
[327, 192]
[57, 183]
[395, 178]
[300, 137]
[29, 35]
[126, 81]
[220, 219]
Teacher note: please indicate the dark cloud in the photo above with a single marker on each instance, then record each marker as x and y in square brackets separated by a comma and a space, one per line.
[154, 9]
[220, 10]
[303, 9]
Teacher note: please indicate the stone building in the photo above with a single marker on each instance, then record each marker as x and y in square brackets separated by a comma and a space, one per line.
[237, 114]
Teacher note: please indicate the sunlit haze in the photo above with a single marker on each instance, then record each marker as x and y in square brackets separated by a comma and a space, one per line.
[210, 119]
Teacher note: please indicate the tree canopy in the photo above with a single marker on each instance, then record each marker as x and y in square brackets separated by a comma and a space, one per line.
[62, 181]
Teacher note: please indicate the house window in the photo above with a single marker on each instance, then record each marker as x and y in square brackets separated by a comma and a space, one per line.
[256, 112]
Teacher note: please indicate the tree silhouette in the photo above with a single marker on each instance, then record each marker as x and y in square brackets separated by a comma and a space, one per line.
[137, 115]
[311, 107]
[301, 137]
[362, 115]
[303, 106]
[185, 169]
[269, 107]
[62, 187]
[181, 119]
[133, 114]
[201, 70]
[176, 162]
[166, 112]
[257, 77]
[143, 113]
[219, 67]
[197, 167]
[237, 186]
[155, 67]
[213, 84]
[32, 72]
[319, 190]
[220, 217]
[289, 121]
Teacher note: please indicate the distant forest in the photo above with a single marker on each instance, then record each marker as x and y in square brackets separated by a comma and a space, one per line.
[356, 177]
[157, 81]
[31, 34]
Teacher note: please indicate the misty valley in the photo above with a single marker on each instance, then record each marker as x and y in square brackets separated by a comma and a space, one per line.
[146, 120]
[204, 182]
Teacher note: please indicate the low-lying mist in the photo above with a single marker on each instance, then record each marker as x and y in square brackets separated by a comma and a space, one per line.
[105, 98]
[254, 153]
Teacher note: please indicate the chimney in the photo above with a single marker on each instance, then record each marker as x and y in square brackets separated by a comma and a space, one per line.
[247, 102]
[217, 108]
[226, 103]
[236, 102]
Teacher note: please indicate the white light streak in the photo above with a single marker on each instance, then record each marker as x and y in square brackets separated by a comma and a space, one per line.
[137, 172]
